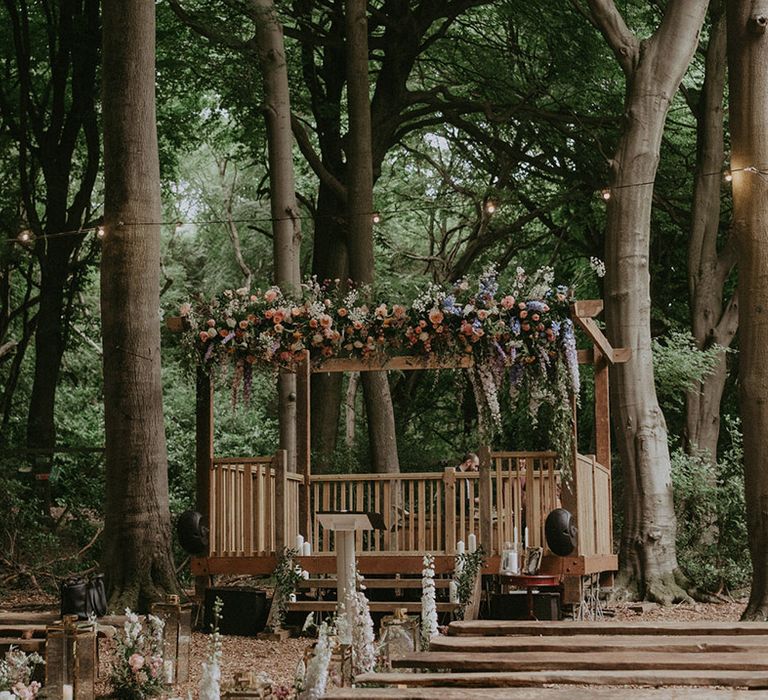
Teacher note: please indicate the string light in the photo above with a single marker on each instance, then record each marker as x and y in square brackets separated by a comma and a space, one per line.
[100, 232]
[605, 193]
[24, 236]
[376, 218]
[490, 207]
[727, 176]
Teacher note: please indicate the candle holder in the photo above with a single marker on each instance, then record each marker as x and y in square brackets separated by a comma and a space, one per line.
[177, 634]
[247, 685]
[70, 659]
[400, 636]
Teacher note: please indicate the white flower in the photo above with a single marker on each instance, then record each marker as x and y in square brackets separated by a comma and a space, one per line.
[598, 266]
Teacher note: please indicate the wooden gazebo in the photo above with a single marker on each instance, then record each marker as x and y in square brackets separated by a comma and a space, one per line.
[256, 506]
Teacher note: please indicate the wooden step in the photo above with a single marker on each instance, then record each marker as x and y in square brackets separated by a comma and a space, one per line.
[27, 645]
[476, 628]
[570, 661]
[647, 678]
[581, 643]
[374, 583]
[374, 606]
[541, 694]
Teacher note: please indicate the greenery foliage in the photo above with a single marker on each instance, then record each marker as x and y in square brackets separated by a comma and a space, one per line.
[709, 503]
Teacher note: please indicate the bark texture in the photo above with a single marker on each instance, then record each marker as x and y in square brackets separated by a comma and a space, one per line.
[713, 321]
[653, 70]
[378, 400]
[748, 96]
[137, 533]
[286, 224]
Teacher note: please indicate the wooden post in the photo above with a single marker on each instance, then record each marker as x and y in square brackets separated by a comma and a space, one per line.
[449, 479]
[602, 410]
[486, 496]
[280, 464]
[303, 454]
[203, 442]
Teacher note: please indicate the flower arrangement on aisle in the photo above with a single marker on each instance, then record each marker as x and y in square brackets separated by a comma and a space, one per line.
[137, 670]
[313, 685]
[522, 335]
[16, 670]
[210, 682]
[429, 627]
[363, 637]
[287, 576]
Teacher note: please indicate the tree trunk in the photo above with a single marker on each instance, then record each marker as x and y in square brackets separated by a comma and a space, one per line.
[286, 226]
[329, 262]
[378, 401]
[654, 69]
[748, 95]
[137, 532]
[712, 322]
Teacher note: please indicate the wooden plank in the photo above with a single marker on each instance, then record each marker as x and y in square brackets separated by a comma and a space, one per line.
[523, 693]
[203, 442]
[399, 363]
[597, 643]
[248, 510]
[574, 661]
[486, 495]
[281, 493]
[602, 411]
[374, 606]
[374, 583]
[658, 678]
[389, 563]
[586, 308]
[695, 627]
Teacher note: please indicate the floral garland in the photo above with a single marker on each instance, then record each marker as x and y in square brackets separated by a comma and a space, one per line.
[429, 626]
[468, 567]
[287, 576]
[523, 335]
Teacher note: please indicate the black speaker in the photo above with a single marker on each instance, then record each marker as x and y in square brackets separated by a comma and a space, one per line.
[244, 610]
[514, 606]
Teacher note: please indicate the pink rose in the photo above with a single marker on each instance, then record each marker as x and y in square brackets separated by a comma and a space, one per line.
[508, 302]
[136, 662]
[270, 295]
[436, 317]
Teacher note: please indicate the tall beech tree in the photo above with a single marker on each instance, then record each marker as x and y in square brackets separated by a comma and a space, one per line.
[748, 118]
[286, 224]
[653, 69]
[378, 401]
[714, 319]
[137, 528]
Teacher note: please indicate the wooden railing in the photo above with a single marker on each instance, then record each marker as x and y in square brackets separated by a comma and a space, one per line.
[248, 512]
[255, 505]
[593, 506]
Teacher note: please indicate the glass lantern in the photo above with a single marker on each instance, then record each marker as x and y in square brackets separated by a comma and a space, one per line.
[510, 559]
[177, 634]
[70, 659]
[400, 636]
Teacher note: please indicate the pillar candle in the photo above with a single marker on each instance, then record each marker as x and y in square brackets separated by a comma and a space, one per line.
[453, 592]
[299, 543]
[168, 671]
[460, 547]
[306, 550]
[471, 542]
[66, 692]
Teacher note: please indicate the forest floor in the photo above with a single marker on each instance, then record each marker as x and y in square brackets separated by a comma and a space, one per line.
[280, 659]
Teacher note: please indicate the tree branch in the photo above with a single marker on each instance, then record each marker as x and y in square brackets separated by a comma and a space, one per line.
[305, 146]
[622, 41]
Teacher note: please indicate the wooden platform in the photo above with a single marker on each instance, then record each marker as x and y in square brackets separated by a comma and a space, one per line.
[307, 606]
[478, 656]
[540, 694]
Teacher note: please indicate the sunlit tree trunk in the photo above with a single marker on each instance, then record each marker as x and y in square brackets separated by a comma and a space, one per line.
[137, 533]
[653, 68]
[712, 320]
[378, 401]
[286, 224]
[748, 118]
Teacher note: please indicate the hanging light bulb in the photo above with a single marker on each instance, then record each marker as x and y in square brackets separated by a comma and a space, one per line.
[727, 176]
[376, 218]
[100, 232]
[490, 207]
[605, 193]
[24, 236]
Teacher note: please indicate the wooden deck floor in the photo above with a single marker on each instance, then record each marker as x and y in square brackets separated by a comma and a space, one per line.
[510, 659]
